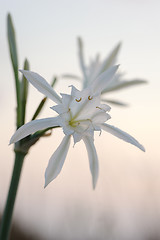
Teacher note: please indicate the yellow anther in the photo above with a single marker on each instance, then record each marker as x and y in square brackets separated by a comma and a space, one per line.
[78, 100]
[99, 108]
[90, 98]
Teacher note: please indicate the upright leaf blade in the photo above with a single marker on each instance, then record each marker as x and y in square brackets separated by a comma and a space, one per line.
[24, 91]
[14, 60]
[12, 44]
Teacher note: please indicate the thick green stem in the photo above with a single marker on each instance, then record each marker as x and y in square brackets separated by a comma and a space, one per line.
[7, 216]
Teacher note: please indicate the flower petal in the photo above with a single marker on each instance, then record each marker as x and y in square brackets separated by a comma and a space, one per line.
[105, 107]
[115, 102]
[57, 160]
[42, 85]
[110, 60]
[103, 79]
[123, 84]
[32, 127]
[122, 135]
[83, 106]
[93, 69]
[81, 58]
[100, 117]
[71, 76]
[93, 159]
[60, 109]
[66, 98]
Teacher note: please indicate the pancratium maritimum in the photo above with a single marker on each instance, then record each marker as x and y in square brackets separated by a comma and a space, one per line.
[79, 114]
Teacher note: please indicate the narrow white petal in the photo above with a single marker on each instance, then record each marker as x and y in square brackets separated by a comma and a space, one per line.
[75, 92]
[93, 159]
[67, 130]
[81, 57]
[122, 135]
[111, 59]
[119, 84]
[41, 85]
[100, 117]
[77, 137]
[115, 102]
[32, 127]
[71, 76]
[66, 99]
[57, 160]
[103, 79]
[59, 108]
[93, 69]
[105, 107]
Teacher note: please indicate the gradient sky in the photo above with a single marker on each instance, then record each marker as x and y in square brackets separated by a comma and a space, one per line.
[47, 34]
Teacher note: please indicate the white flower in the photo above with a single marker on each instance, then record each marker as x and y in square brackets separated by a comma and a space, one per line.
[96, 67]
[79, 115]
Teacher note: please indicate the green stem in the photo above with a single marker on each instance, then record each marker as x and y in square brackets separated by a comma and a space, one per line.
[19, 108]
[7, 216]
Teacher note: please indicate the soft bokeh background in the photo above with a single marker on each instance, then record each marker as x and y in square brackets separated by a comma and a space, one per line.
[126, 202]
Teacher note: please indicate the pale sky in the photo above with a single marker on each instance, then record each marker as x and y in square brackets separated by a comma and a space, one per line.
[47, 34]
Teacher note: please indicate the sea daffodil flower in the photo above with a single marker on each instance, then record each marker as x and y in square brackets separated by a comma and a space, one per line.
[96, 67]
[79, 115]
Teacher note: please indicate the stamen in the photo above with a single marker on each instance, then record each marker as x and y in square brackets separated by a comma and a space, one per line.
[90, 98]
[78, 100]
[70, 113]
[99, 108]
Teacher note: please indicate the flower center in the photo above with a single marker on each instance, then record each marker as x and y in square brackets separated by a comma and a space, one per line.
[74, 123]
[80, 109]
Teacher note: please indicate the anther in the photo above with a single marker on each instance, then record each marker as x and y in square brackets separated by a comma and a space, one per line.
[90, 98]
[78, 100]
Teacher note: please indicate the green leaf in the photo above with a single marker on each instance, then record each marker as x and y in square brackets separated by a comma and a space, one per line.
[39, 108]
[54, 81]
[12, 44]
[24, 91]
[41, 105]
[124, 84]
[14, 60]
[43, 133]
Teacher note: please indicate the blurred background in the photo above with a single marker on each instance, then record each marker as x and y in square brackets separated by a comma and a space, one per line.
[126, 202]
